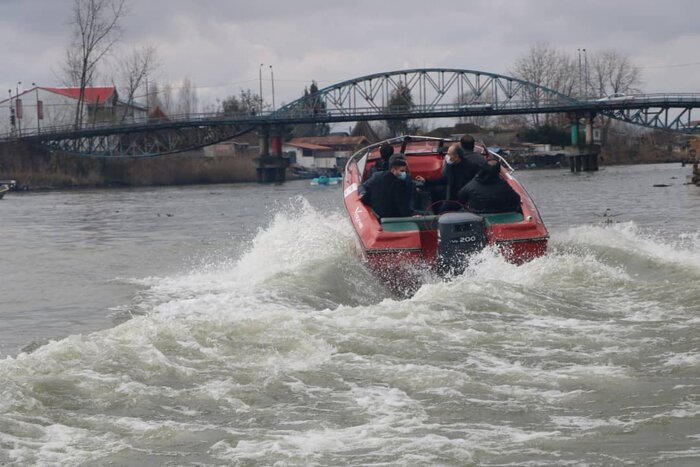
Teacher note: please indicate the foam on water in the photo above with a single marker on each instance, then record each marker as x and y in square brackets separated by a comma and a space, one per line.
[294, 353]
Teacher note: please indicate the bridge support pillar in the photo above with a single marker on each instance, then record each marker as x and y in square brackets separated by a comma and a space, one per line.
[589, 131]
[583, 158]
[574, 132]
[272, 167]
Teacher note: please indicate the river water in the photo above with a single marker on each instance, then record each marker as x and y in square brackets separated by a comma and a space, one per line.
[232, 325]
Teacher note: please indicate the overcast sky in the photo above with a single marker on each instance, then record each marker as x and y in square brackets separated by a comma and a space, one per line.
[220, 44]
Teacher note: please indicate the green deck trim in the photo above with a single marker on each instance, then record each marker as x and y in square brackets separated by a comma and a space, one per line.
[406, 224]
[402, 224]
[395, 226]
[502, 217]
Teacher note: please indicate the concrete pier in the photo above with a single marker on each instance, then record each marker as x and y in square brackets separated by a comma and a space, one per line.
[271, 166]
[583, 158]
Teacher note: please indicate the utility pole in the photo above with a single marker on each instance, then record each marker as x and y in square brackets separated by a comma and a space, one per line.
[579, 72]
[18, 111]
[39, 109]
[13, 121]
[272, 80]
[585, 71]
[260, 81]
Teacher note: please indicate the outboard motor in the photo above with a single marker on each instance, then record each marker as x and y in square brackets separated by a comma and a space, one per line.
[460, 234]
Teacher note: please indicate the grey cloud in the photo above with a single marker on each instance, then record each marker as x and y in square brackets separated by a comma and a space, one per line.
[219, 45]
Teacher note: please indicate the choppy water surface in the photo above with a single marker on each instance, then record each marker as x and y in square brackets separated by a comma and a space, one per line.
[231, 325]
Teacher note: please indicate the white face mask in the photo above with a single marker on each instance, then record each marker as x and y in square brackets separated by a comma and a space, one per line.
[448, 161]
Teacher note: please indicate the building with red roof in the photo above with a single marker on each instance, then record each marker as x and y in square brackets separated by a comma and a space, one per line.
[322, 153]
[51, 107]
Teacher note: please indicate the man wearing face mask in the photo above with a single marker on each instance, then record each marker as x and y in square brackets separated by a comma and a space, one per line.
[458, 170]
[389, 192]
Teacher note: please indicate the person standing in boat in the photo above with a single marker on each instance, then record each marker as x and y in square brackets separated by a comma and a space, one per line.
[458, 169]
[473, 159]
[388, 192]
[385, 151]
[488, 192]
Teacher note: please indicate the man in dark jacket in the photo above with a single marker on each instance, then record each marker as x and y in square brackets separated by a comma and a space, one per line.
[488, 192]
[385, 151]
[473, 160]
[388, 192]
[458, 169]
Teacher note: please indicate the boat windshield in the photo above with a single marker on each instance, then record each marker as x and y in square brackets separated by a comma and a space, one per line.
[361, 164]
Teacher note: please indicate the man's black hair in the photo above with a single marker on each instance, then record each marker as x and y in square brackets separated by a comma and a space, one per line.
[467, 143]
[397, 160]
[491, 168]
[386, 150]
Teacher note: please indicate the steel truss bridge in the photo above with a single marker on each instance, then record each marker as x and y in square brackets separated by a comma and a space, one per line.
[434, 93]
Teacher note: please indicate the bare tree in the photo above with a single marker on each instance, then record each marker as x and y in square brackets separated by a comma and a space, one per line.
[612, 72]
[152, 97]
[246, 103]
[400, 102]
[546, 67]
[96, 31]
[166, 99]
[134, 71]
[187, 98]
[70, 69]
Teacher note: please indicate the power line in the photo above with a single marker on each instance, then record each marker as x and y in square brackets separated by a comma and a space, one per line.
[678, 65]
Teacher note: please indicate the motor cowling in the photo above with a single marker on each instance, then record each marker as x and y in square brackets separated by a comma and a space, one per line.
[460, 234]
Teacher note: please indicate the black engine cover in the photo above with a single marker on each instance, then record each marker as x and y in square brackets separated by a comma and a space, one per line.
[459, 235]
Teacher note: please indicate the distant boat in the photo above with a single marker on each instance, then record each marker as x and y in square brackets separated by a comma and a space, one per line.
[326, 181]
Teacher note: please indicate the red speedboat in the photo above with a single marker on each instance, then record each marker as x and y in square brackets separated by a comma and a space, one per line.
[401, 250]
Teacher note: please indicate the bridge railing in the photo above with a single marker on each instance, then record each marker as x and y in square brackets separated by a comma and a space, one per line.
[650, 98]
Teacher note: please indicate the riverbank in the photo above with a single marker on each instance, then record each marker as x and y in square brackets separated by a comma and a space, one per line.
[35, 167]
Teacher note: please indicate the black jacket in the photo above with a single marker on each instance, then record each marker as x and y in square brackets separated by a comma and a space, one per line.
[456, 176]
[489, 193]
[379, 166]
[387, 195]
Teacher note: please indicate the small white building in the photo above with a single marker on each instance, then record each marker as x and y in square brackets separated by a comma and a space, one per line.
[324, 153]
[310, 156]
[45, 107]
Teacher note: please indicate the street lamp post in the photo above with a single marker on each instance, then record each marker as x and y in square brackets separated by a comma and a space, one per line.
[38, 110]
[18, 112]
[260, 82]
[12, 114]
[579, 73]
[272, 80]
[585, 71]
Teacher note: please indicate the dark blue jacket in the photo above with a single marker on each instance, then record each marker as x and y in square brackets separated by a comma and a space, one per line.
[387, 195]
